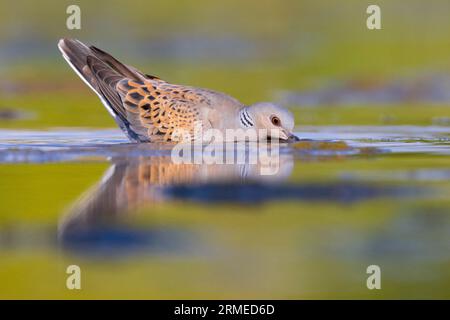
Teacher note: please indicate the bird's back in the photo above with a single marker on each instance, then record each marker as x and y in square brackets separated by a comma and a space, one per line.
[145, 107]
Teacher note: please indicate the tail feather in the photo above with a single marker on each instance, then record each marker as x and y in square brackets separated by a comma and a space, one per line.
[76, 53]
[101, 72]
[126, 71]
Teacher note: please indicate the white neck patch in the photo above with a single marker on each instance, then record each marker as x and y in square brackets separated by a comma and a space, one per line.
[245, 118]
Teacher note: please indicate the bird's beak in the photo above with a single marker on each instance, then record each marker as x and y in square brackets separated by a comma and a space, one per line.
[288, 137]
[292, 138]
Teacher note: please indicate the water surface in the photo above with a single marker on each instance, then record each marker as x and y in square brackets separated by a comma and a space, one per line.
[141, 226]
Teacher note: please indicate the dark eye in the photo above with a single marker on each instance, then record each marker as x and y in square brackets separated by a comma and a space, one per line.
[275, 121]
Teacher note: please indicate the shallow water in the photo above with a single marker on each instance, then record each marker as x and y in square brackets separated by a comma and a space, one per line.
[141, 226]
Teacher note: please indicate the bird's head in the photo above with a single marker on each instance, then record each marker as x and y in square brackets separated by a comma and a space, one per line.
[278, 121]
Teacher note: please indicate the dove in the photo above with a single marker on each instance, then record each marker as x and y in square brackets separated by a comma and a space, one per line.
[149, 109]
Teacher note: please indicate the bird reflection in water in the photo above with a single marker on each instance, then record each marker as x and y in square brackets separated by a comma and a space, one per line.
[133, 183]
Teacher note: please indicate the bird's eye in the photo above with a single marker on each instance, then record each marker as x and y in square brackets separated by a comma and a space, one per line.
[275, 121]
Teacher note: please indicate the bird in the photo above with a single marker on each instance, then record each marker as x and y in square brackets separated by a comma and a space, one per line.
[149, 109]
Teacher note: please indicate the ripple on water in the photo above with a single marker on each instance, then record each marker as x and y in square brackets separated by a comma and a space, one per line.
[67, 145]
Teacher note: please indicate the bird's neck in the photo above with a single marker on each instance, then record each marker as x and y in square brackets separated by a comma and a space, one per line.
[245, 118]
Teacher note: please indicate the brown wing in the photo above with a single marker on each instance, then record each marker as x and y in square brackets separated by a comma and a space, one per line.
[162, 108]
[145, 107]
[102, 72]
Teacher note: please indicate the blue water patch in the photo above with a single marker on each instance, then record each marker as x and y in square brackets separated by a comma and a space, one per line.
[256, 193]
[121, 241]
